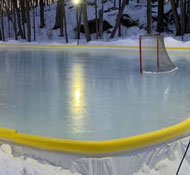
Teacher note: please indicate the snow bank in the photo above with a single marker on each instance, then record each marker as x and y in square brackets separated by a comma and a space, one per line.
[169, 42]
[169, 165]
[165, 167]
[10, 165]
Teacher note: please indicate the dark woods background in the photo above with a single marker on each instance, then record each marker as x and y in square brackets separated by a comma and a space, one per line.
[20, 17]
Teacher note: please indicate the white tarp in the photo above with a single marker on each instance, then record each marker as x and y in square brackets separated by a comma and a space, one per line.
[136, 163]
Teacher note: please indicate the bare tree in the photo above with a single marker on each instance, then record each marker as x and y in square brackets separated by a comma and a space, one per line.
[42, 21]
[149, 17]
[61, 17]
[14, 21]
[85, 20]
[100, 23]
[65, 23]
[160, 27]
[101, 19]
[15, 2]
[22, 6]
[2, 21]
[96, 18]
[119, 28]
[34, 20]
[119, 15]
[176, 17]
[28, 20]
[182, 9]
[188, 17]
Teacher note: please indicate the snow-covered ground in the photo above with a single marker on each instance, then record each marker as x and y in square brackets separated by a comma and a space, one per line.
[130, 35]
[10, 165]
[169, 42]
[165, 167]
[135, 10]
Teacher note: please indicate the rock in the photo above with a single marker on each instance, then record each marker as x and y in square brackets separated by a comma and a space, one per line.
[127, 21]
[92, 26]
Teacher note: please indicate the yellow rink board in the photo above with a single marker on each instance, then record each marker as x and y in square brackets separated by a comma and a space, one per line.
[85, 46]
[97, 147]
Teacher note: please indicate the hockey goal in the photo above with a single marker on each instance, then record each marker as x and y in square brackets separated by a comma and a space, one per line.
[153, 55]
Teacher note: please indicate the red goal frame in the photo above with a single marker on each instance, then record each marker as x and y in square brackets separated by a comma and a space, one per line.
[140, 51]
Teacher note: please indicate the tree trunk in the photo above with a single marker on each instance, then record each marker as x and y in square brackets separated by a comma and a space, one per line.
[114, 3]
[28, 20]
[23, 17]
[119, 18]
[65, 24]
[100, 23]
[18, 19]
[119, 28]
[149, 17]
[0, 35]
[61, 17]
[85, 20]
[34, 23]
[2, 24]
[96, 18]
[101, 19]
[188, 17]
[8, 26]
[176, 17]
[58, 15]
[14, 19]
[185, 15]
[80, 19]
[36, 1]
[160, 27]
[42, 21]
[182, 17]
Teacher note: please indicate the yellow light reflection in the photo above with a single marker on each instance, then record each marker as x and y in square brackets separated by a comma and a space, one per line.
[77, 96]
[78, 102]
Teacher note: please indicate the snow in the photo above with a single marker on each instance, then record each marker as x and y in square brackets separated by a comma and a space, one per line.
[130, 36]
[169, 42]
[10, 165]
[165, 167]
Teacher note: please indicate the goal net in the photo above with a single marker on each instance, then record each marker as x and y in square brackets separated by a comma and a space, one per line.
[153, 55]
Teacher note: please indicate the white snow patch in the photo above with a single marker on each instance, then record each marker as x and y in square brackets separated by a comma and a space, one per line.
[169, 42]
[165, 167]
[10, 165]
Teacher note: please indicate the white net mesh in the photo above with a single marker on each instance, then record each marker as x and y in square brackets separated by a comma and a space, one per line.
[153, 55]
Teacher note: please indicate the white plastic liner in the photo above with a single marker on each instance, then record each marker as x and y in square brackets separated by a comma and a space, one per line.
[116, 164]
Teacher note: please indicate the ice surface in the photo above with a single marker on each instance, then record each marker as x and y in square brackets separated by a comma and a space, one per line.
[90, 94]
